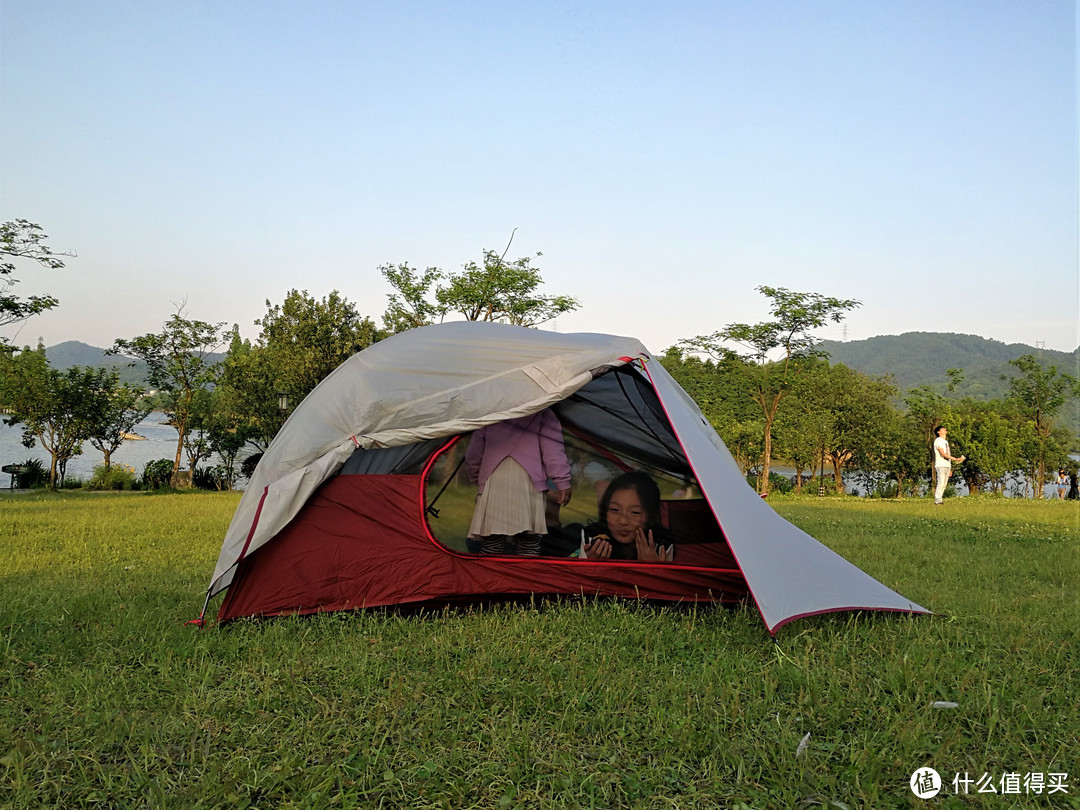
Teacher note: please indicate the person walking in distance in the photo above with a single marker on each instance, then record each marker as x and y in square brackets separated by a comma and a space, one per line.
[942, 462]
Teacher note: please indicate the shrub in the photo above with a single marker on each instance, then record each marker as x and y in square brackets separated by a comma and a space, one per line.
[116, 477]
[36, 475]
[777, 483]
[248, 465]
[157, 474]
[885, 489]
[211, 478]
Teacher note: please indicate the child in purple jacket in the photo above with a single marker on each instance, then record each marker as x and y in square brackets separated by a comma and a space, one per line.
[512, 462]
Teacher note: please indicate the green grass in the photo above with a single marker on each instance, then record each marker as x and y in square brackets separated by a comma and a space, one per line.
[108, 700]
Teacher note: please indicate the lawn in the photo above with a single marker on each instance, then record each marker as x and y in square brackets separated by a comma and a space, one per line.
[107, 699]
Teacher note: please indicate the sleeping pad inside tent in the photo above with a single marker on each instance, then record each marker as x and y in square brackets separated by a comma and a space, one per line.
[385, 523]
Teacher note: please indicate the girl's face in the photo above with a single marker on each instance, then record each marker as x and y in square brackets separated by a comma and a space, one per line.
[625, 515]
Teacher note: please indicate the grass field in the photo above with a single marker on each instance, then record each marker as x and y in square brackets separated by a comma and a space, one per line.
[108, 700]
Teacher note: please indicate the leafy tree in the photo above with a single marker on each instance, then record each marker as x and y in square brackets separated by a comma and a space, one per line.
[926, 410]
[992, 443]
[801, 432]
[499, 290]
[789, 334]
[178, 363]
[218, 429]
[1039, 393]
[21, 239]
[904, 453]
[495, 290]
[305, 339]
[301, 342]
[720, 393]
[196, 441]
[861, 414]
[410, 306]
[58, 409]
[123, 407]
[248, 391]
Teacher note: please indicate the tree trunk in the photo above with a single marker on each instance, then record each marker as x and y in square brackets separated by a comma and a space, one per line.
[798, 480]
[838, 461]
[763, 480]
[179, 448]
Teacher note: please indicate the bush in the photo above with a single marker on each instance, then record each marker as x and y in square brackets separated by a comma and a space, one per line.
[777, 483]
[248, 465]
[157, 474]
[211, 478]
[886, 489]
[37, 475]
[116, 477]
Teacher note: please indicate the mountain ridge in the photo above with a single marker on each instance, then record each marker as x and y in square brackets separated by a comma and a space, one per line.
[76, 353]
[924, 358]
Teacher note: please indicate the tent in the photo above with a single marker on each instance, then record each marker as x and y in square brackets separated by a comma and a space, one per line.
[357, 504]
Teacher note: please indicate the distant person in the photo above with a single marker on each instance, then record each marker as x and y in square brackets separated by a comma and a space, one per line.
[1074, 490]
[512, 463]
[942, 462]
[1062, 485]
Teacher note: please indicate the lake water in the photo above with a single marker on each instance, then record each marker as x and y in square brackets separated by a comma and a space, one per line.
[160, 443]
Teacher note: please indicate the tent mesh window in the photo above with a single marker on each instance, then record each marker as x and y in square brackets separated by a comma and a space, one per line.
[612, 426]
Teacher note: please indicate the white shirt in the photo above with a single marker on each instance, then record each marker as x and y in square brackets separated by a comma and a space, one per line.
[941, 452]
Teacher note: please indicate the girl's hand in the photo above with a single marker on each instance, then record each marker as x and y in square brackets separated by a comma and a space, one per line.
[647, 550]
[598, 549]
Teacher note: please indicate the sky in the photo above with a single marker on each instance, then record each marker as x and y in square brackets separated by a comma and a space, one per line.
[666, 159]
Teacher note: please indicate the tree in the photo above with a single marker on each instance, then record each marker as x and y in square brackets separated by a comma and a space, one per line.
[305, 340]
[227, 434]
[302, 341]
[904, 454]
[502, 291]
[789, 334]
[21, 239]
[123, 407]
[178, 363]
[717, 388]
[992, 443]
[58, 409]
[801, 432]
[409, 306]
[1038, 394]
[496, 290]
[247, 391]
[858, 431]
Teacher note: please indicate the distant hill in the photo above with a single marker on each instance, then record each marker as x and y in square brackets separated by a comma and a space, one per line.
[74, 353]
[922, 358]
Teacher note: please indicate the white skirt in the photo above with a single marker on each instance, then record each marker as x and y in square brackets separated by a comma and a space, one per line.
[509, 503]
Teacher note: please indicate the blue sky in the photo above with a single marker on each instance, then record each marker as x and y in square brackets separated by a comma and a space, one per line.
[667, 159]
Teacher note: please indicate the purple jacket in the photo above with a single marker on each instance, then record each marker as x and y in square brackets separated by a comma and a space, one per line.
[535, 442]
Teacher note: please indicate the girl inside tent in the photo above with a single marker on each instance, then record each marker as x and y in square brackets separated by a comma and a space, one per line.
[512, 463]
[629, 526]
